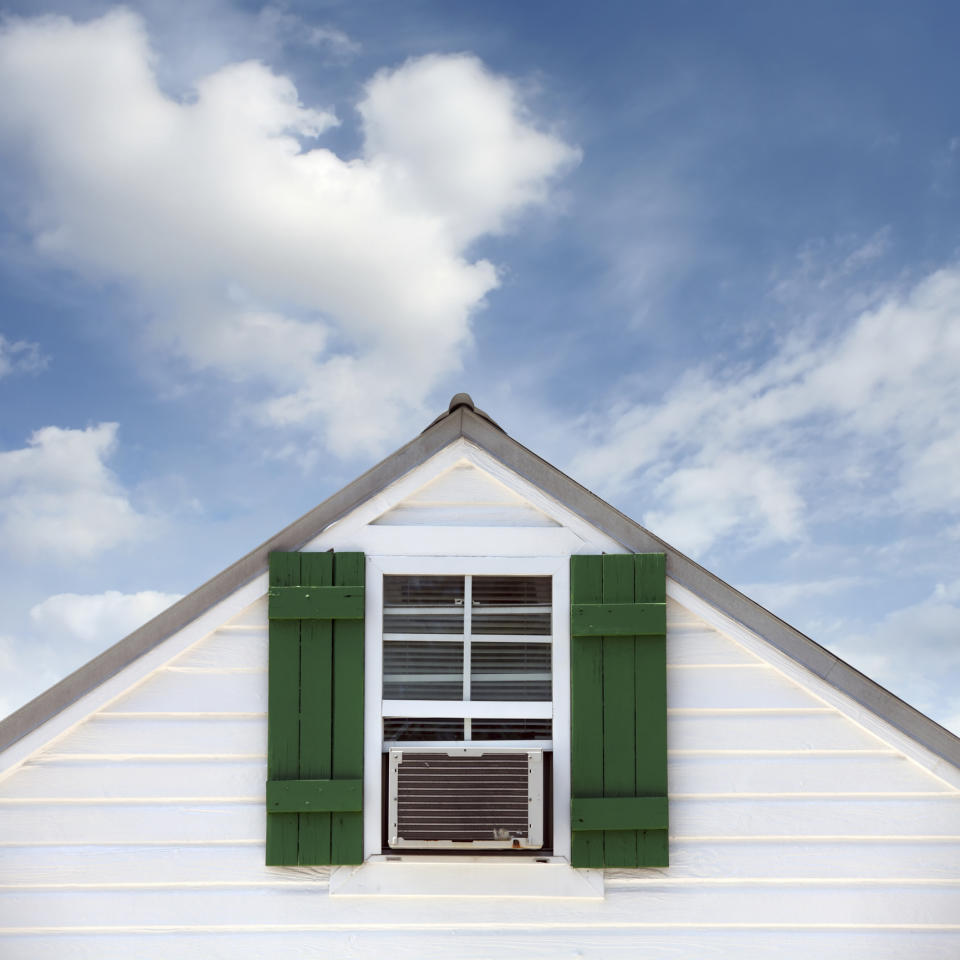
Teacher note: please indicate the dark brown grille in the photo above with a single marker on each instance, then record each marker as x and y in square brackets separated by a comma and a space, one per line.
[463, 799]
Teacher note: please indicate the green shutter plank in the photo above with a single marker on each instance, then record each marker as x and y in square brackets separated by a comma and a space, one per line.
[586, 710]
[346, 837]
[619, 813]
[619, 711]
[283, 725]
[316, 601]
[316, 701]
[315, 728]
[651, 673]
[618, 619]
[314, 798]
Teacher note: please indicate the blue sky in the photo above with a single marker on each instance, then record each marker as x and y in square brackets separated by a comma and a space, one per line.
[704, 257]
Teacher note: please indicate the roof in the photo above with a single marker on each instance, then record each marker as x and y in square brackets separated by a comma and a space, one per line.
[463, 419]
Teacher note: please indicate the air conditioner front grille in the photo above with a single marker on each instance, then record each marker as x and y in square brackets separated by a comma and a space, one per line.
[466, 798]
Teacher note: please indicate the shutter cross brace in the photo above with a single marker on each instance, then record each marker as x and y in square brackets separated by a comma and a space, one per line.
[315, 603]
[618, 619]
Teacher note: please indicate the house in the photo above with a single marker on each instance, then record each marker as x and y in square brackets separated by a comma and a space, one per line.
[504, 720]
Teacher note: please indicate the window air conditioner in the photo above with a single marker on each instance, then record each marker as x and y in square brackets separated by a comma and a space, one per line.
[466, 799]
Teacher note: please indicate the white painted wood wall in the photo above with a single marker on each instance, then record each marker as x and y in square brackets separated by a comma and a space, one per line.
[795, 832]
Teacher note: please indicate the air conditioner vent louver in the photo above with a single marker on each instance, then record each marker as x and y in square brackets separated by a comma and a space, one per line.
[479, 799]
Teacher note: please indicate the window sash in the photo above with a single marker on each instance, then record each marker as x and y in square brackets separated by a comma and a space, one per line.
[494, 681]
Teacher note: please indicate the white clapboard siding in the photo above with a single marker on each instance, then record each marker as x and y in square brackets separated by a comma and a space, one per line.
[159, 865]
[182, 821]
[719, 861]
[104, 823]
[208, 778]
[216, 778]
[315, 942]
[110, 734]
[656, 905]
[465, 496]
[735, 859]
[818, 729]
[237, 648]
[735, 686]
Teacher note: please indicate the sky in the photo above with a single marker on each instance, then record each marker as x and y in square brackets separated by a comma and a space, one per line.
[704, 257]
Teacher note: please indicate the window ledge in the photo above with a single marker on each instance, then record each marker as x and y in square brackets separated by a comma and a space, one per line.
[380, 877]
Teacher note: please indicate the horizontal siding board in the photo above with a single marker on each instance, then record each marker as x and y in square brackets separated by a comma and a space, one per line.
[724, 860]
[254, 615]
[733, 860]
[159, 736]
[537, 944]
[241, 649]
[816, 816]
[145, 864]
[154, 779]
[705, 647]
[800, 774]
[474, 515]
[774, 731]
[742, 686]
[225, 778]
[171, 691]
[29, 821]
[659, 904]
[247, 735]
[106, 823]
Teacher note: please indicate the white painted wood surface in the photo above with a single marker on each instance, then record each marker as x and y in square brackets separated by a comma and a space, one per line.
[796, 831]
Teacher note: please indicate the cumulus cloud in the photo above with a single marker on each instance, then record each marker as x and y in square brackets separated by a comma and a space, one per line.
[333, 286]
[59, 498]
[872, 406]
[20, 356]
[101, 618]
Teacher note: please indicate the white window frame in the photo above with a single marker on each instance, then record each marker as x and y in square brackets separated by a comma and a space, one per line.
[558, 568]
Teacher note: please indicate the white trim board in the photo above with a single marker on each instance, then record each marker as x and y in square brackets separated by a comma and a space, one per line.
[383, 877]
[558, 568]
[823, 689]
[483, 540]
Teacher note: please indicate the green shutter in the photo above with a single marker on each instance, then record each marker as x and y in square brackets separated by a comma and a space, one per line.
[315, 728]
[618, 710]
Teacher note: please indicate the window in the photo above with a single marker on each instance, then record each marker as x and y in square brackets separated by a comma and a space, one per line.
[476, 783]
[472, 656]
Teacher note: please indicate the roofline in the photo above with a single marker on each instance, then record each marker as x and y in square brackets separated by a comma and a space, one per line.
[463, 421]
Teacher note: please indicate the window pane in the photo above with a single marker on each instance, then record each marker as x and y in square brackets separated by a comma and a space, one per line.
[422, 670]
[511, 605]
[510, 671]
[422, 728]
[423, 605]
[512, 729]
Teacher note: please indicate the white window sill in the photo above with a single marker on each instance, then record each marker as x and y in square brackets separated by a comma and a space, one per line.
[466, 877]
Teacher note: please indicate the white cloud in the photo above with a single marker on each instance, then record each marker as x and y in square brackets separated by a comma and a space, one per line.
[342, 287]
[20, 356]
[58, 497]
[290, 28]
[874, 402]
[100, 619]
